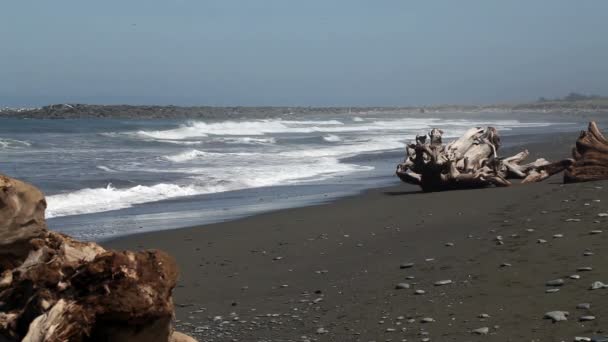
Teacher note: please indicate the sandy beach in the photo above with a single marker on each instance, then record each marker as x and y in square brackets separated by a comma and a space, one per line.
[330, 272]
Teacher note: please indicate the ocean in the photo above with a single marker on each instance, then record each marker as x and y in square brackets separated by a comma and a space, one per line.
[105, 178]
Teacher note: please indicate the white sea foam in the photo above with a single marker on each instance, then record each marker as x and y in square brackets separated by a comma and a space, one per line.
[358, 119]
[7, 143]
[87, 201]
[332, 138]
[196, 154]
[247, 140]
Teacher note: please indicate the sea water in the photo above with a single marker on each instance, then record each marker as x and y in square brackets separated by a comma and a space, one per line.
[105, 178]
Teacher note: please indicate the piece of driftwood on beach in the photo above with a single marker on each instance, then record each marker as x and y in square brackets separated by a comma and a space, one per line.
[471, 161]
[590, 157]
[54, 288]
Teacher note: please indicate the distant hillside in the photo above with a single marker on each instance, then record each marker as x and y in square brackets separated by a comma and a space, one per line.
[572, 103]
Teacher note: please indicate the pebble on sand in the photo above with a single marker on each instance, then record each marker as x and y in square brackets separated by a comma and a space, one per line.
[558, 236]
[419, 292]
[557, 316]
[402, 286]
[443, 282]
[483, 315]
[575, 276]
[595, 232]
[555, 282]
[584, 269]
[321, 331]
[586, 318]
[541, 241]
[583, 306]
[427, 320]
[406, 265]
[551, 290]
[598, 285]
[481, 331]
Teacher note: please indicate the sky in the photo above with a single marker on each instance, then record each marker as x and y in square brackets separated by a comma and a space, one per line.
[300, 53]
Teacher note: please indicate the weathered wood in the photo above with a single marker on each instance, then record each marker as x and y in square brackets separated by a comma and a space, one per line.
[590, 157]
[55, 288]
[470, 161]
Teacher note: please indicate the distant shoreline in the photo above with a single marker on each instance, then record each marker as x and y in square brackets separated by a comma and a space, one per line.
[75, 111]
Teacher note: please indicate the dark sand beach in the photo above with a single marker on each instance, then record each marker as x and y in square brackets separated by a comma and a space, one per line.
[329, 272]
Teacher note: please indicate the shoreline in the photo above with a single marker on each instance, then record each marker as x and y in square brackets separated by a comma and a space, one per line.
[328, 272]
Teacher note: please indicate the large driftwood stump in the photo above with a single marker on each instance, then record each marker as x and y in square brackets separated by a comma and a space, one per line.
[55, 288]
[590, 155]
[471, 161]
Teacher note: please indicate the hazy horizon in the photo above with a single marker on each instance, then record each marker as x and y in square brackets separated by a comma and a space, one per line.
[314, 53]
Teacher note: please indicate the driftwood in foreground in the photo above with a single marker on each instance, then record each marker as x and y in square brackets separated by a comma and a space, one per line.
[590, 157]
[471, 161]
[54, 288]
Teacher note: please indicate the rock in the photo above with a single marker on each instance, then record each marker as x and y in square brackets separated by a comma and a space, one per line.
[322, 331]
[573, 220]
[443, 282]
[597, 285]
[583, 306]
[586, 318]
[557, 316]
[584, 269]
[551, 290]
[427, 320]
[481, 331]
[602, 215]
[483, 315]
[419, 292]
[402, 286]
[582, 339]
[588, 253]
[595, 232]
[599, 338]
[449, 244]
[558, 236]
[541, 241]
[406, 265]
[61, 289]
[505, 264]
[555, 282]
[575, 276]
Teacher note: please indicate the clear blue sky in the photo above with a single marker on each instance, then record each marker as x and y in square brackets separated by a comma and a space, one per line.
[305, 52]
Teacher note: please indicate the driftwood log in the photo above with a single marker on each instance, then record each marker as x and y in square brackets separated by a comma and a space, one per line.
[590, 157]
[55, 288]
[471, 161]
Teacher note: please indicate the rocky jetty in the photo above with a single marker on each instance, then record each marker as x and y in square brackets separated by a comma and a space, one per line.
[55, 288]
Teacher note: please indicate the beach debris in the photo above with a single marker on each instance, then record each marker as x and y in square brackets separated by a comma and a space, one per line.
[557, 316]
[443, 282]
[470, 161]
[406, 265]
[583, 306]
[61, 289]
[402, 286]
[555, 282]
[481, 331]
[322, 331]
[590, 157]
[597, 285]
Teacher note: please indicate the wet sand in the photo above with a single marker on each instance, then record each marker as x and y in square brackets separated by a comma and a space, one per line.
[329, 272]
